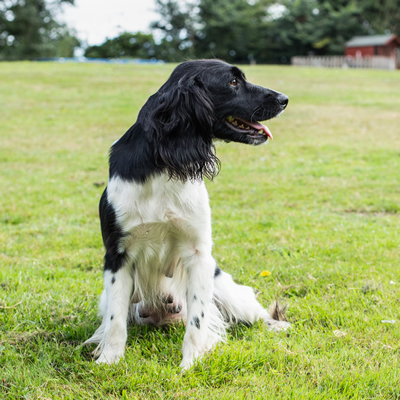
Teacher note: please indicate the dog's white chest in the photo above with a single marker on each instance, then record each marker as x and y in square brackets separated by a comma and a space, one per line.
[156, 201]
[160, 212]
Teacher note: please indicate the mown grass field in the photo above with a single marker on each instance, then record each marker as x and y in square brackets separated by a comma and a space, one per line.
[319, 208]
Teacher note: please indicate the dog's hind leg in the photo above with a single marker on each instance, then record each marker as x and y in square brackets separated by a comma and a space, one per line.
[114, 305]
[238, 303]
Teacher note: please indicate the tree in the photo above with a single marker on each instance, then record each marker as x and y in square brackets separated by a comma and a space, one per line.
[136, 45]
[381, 15]
[240, 31]
[178, 26]
[314, 26]
[235, 30]
[28, 30]
[230, 29]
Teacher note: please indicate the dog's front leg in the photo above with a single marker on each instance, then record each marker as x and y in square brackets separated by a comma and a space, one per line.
[114, 305]
[199, 337]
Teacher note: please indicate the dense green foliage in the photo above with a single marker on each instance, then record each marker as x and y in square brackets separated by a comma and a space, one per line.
[311, 27]
[28, 30]
[380, 15]
[242, 31]
[234, 30]
[239, 31]
[318, 208]
[266, 31]
[126, 45]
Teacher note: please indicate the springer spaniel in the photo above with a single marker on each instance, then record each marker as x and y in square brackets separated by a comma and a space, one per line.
[155, 213]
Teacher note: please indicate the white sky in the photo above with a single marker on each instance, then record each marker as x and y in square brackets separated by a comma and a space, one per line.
[95, 20]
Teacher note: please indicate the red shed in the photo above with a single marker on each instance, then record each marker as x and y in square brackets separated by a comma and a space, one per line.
[377, 45]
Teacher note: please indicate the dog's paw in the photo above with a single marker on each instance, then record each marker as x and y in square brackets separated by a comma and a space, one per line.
[188, 361]
[186, 365]
[190, 353]
[278, 326]
[189, 358]
[109, 357]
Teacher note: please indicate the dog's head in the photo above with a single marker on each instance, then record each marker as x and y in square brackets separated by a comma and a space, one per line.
[202, 101]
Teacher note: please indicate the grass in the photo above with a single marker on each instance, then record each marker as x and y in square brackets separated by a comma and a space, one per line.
[319, 207]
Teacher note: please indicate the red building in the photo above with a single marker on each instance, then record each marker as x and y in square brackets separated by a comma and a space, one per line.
[378, 45]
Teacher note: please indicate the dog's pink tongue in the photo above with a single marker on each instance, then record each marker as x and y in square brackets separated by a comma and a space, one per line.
[257, 126]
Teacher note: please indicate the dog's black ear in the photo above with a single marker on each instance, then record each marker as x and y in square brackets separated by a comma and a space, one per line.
[182, 106]
[181, 130]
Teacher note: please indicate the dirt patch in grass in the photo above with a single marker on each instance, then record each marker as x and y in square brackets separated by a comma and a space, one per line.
[363, 212]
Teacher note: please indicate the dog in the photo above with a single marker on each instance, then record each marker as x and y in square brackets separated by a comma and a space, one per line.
[155, 214]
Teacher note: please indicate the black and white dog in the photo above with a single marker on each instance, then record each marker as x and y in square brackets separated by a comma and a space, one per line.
[155, 214]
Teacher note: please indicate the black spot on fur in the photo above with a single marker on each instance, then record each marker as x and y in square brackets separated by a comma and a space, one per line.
[195, 297]
[217, 271]
[112, 317]
[191, 323]
[201, 301]
[196, 322]
[202, 314]
[113, 280]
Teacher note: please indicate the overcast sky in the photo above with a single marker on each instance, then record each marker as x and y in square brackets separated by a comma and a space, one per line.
[95, 20]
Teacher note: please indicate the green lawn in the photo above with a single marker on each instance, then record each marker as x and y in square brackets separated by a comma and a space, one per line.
[319, 207]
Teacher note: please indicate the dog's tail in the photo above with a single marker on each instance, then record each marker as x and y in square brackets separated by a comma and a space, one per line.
[278, 311]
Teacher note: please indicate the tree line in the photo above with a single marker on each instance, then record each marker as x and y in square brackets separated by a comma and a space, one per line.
[238, 31]
[29, 30]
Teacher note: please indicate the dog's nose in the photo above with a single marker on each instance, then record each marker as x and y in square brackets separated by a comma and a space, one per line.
[283, 100]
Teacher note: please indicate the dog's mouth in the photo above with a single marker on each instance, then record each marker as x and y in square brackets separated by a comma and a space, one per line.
[253, 129]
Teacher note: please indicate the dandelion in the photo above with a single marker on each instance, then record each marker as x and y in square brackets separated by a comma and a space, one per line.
[265, 273]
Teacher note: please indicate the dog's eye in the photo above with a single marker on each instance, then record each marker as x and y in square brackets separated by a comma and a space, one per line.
[233, 82]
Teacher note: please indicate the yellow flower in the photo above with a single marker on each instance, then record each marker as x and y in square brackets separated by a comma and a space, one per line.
[265, 273]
